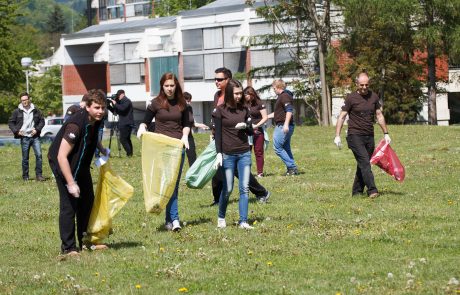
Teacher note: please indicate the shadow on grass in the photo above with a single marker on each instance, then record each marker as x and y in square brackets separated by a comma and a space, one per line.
[122, 245]
[199, 221]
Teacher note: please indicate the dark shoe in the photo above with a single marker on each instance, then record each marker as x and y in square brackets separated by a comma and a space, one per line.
[40, 178]
[291, 172]
[25, 178]
[373, 195]
[214, 204]
[264, 199]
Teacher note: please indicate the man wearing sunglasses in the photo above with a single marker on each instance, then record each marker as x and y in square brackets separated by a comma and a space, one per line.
[221, 78]
[362, 107]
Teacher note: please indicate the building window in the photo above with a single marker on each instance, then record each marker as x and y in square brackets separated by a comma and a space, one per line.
[262, 58]
[261, 29]
[132, 73]
[193, 67]
[229, 32]
[212, 38]
[212, 62]
[192, 40]
[235, 61]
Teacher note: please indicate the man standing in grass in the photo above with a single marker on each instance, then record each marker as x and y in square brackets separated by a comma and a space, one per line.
[70, 157]
[284, 128]
[26, 123]
[362, 107]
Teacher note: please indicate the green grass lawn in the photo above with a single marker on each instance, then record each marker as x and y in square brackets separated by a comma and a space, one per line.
[311, 238]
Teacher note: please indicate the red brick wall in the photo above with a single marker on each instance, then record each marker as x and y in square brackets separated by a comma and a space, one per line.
[78, 79]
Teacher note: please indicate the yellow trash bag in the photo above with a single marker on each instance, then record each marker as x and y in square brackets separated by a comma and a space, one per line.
[161, 159]
[112, 193]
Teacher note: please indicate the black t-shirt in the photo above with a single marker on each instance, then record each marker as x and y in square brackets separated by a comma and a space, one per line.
[254, 112]
[167, 122]
[283, 101]
[361, 112]
[230, 140]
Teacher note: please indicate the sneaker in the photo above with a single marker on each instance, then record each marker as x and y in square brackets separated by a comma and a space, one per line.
[169, 226]
[40, 178]
[260, 175]
[245, 225]
[291, 172]
[221, 222]
[373, 195]
[176, 225]
[266, 197]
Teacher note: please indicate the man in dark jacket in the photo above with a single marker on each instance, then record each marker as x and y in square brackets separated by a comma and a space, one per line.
[123, 107]
[70, 157]
[26, 123]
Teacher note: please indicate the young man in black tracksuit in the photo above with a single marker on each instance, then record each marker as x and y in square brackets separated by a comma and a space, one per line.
[70, 157]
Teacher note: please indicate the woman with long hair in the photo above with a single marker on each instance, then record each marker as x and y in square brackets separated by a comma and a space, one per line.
[232, 127]
[258, 114]
[169, 109]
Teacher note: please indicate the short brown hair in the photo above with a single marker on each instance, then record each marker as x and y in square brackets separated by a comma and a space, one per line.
[95, 96]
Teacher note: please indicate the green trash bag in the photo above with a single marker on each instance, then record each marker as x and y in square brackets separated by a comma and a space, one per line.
[203, 169]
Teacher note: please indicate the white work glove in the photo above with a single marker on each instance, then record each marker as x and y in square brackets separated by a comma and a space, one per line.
[218, 161]
[387, 138]
[338, 142]
[142, 129]
[241, 125]
[73, 189]
[184, 140]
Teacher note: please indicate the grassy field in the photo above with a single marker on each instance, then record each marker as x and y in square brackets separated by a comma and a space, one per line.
[311, 238]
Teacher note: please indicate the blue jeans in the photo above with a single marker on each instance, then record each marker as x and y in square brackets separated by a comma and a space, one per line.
[242, 162]
[172, 208]
[282, 145]
[26, 144]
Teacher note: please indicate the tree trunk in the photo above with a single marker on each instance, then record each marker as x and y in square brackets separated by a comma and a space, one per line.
[432, 114]
[325, 104]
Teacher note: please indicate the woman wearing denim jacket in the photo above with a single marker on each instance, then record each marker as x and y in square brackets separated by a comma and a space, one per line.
[232, 127]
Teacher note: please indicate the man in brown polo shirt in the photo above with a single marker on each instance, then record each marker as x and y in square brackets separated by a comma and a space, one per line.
[362, 107]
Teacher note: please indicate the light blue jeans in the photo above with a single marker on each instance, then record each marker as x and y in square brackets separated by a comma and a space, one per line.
[282, 145]
[172, 208]
[242, 162]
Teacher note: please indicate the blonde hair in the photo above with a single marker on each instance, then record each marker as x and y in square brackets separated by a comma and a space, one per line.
[279, 84]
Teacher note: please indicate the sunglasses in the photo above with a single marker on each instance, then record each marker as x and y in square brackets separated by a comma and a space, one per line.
[219, 79]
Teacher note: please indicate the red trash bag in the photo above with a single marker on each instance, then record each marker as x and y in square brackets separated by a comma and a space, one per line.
[386, 159]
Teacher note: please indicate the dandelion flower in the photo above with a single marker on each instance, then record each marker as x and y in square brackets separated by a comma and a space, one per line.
[269, 263]
[450, 202]
[96, 274]
[183, 290]
[138, 286]
[162, 249]
[250, 252]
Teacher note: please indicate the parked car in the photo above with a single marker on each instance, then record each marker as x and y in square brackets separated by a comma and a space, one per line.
[51, 128]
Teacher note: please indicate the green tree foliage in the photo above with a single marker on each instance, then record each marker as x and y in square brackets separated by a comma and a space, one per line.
[172, 7]
[380, 40]
[56, 20]
[298, 24]
[47, 91]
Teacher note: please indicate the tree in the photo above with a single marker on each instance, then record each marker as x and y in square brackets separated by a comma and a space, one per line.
[47, 91]
[172, 7]
[298, 23]
[438, 31]
[55, 25]
[380, 40]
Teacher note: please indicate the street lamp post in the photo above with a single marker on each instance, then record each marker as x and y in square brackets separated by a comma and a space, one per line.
[26, 62]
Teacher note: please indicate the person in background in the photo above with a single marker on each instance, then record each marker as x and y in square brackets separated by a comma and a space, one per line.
[26, 123]
[123, 107]
[70, 157]
[284, 128]
[232, 127]
[258, 115]
[222, 76]
[362, 107]
[169, 109]
[191, 152]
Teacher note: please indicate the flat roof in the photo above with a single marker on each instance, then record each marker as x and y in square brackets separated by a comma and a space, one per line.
[220, 6]
[124, 27]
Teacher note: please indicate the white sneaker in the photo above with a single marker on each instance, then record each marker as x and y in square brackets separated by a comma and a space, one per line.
[245, 225]
[176, 225]
[168, 226]
[221, 222]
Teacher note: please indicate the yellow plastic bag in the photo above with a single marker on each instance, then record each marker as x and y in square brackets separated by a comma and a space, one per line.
[112, 193]
[161, 159]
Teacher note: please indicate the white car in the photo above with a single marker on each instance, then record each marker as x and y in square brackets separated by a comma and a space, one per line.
[51, 128]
